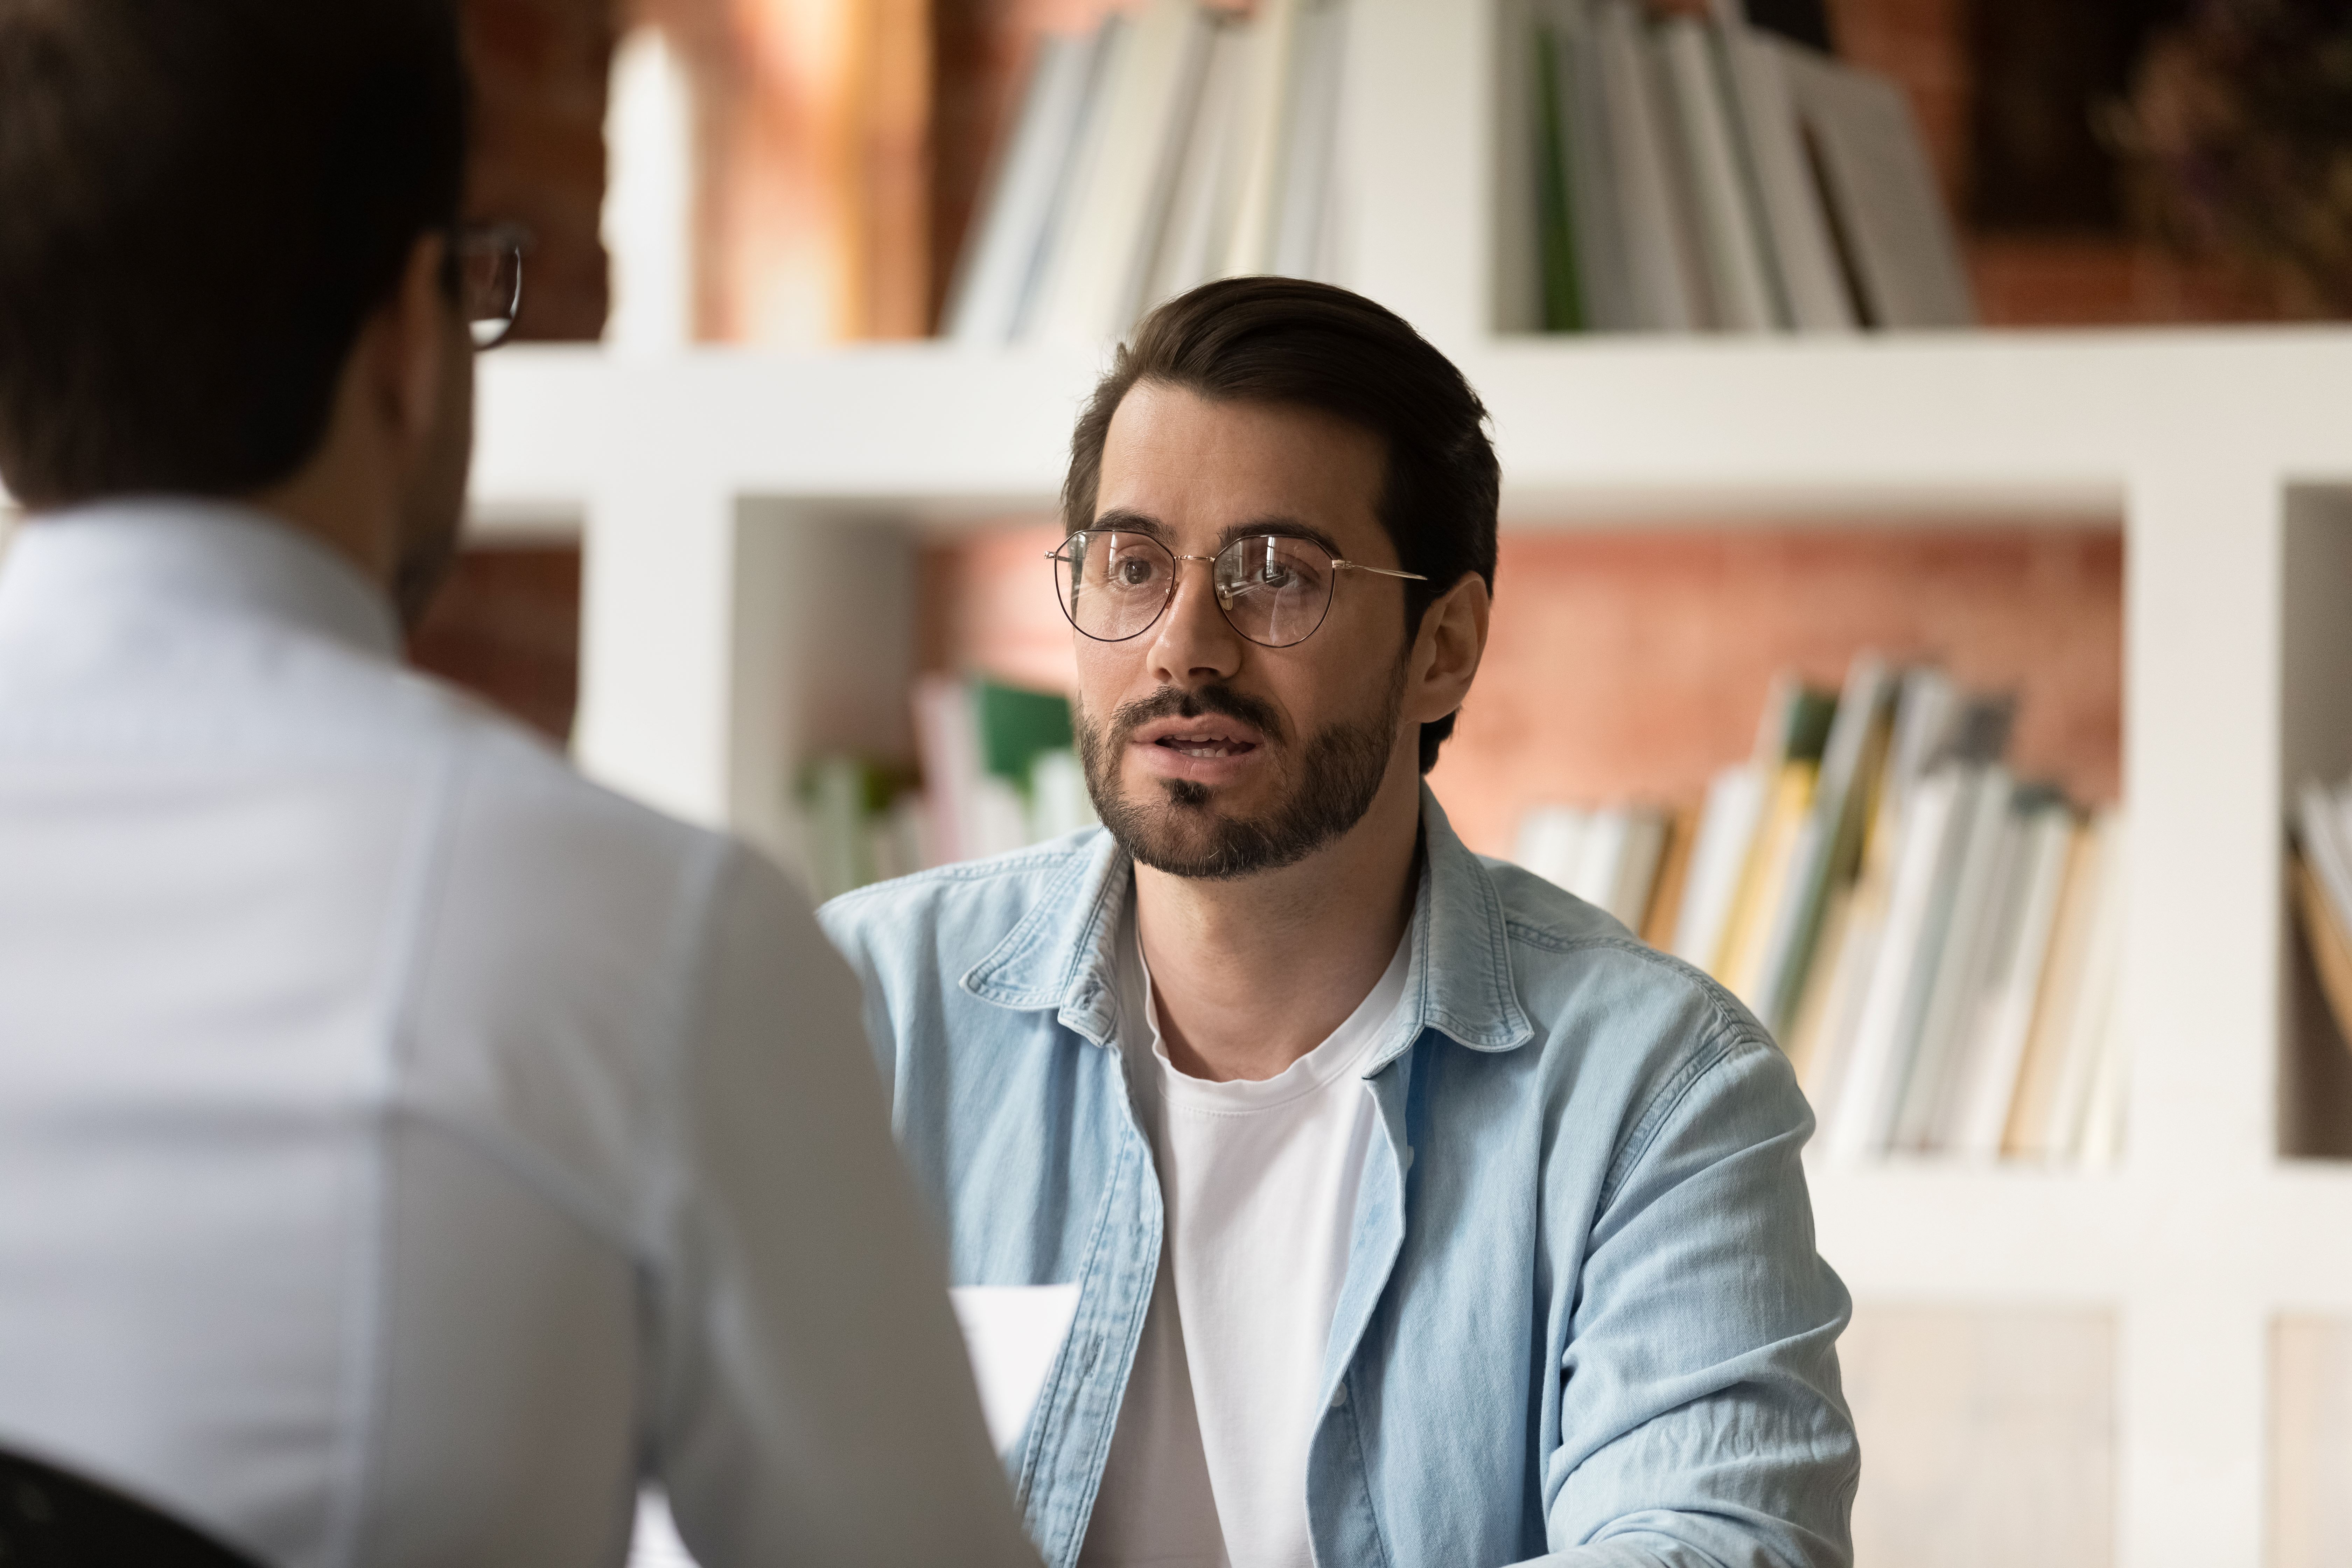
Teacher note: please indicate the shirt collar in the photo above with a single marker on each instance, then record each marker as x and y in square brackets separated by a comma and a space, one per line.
[1063, 954]
[187, 555]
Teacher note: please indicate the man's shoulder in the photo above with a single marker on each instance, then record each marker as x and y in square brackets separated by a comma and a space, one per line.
[967, 905]
[1575, 966]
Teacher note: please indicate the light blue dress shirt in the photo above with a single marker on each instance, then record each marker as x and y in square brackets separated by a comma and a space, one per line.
[1583, 1321]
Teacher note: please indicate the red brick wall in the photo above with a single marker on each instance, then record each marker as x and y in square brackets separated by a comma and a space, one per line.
[1633, 664]
[540, 70]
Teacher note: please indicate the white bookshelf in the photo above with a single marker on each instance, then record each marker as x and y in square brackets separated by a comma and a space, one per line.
[751, 522]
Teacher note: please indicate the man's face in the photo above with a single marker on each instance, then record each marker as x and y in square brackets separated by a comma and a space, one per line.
[1209, 754]
[432, 501]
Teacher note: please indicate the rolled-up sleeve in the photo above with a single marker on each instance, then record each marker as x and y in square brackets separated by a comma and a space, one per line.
[1701, 1420]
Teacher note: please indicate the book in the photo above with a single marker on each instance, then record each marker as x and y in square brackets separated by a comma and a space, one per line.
[1726, 831]
[1263, 128]
[1003, 259]
[1596, 214]
[1730, 247]
[1828, 851]
[1130, 154]
[1197, 230]
[1955, 967]
[1880, 194]
[1674, 875]
[1794, 729]
[1608, 858]
[1798, 244]
[1561, 292]
[1747, 940]
[2330, 938]
[1910, 937]
[2054, 1001]
[1306, 228]
[1665, 289]
[1988, 1079]
[2048, 1120]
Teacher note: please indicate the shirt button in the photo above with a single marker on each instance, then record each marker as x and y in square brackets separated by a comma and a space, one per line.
[1339, 1396]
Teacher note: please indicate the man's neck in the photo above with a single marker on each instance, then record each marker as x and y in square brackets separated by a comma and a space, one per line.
[1251, 974]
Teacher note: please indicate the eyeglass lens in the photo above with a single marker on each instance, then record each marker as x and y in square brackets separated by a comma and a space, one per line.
[1273, 590]
[489, 270]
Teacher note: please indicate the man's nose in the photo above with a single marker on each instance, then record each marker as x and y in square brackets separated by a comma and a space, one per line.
[1193, 644]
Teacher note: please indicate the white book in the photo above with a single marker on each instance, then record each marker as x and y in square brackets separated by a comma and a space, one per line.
[1119, 196]
[1599, 858]
[1637, 867]
[1199, 229]
[1988, 1085]
[1264, 126]
[1551, 840]
[1596, 208]
[1002, 257]
[1730, 246]
[1888, 1020]
[1983, 863]
[1665, 288]
[1799, 241]
[2082, 1051]
[1311, 144]
[1883, 194]
[2102, 1145]
[1736, 798]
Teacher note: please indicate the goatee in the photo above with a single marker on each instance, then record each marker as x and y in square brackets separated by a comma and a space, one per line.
[1339, 774]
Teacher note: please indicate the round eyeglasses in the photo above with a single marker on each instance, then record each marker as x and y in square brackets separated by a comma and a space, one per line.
[489, 262]
[1273, 588]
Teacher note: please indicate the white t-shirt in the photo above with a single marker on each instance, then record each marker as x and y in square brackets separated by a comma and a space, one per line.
[1208, 1467]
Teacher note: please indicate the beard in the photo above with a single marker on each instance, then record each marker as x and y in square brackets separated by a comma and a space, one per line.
[1339, 774]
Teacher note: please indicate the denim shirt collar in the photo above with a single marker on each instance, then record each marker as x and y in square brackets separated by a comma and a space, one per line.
[1060, 956]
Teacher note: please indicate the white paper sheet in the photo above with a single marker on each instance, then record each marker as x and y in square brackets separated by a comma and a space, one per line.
[1012, 1333]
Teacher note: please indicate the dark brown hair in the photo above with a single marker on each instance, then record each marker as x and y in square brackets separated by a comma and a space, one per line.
[1286, 342]
[203, 201]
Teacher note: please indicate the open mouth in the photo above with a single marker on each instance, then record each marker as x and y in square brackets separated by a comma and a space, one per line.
[1207, 737]
[1205, 745]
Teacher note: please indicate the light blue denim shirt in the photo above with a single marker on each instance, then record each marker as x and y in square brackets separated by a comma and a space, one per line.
[1583, 1321]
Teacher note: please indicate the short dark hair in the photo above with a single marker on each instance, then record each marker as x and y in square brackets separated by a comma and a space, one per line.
[201, 201]
[1287, 341]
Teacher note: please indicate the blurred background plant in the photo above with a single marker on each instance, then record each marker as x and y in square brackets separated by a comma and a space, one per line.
[2239, 134]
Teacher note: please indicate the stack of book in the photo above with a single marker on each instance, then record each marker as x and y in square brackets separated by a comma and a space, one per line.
[1934, 943]
[1162, 150]
[998, 772]
[1684, 173]
[2321, 872]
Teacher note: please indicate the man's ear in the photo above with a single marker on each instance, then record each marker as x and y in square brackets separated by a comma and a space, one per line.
[1446, 650]
[408, 341]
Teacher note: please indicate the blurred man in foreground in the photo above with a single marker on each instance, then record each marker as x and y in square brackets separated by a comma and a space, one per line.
[1420, 1215]
[404, 1146]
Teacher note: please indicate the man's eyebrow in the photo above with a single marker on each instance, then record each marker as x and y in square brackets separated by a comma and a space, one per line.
[1283, 528]
[1119, 520]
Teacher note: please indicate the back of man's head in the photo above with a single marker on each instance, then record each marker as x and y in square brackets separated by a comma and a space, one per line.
[201, 201]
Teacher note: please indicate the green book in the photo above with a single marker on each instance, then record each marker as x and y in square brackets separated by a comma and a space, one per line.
[1563, 300]
[1016, 726]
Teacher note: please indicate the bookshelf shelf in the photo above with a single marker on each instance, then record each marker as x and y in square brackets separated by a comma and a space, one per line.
[751, 521]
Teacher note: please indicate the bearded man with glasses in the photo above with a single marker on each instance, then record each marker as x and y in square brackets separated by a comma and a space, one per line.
[1417, 1214]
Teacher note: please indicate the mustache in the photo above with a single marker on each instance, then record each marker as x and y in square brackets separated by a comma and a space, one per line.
[1168, 702]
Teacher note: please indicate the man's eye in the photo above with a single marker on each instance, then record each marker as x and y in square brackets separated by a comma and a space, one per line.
[1132, 573]
[1275, 574]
